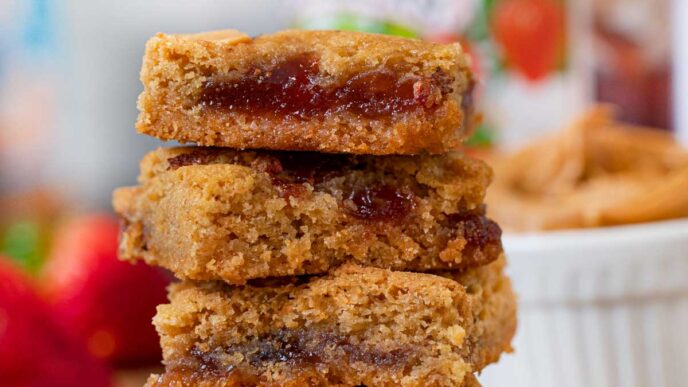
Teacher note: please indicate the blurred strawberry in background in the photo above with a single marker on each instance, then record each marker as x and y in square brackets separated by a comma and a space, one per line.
[109, 303]
[530, 33]
[35, 349]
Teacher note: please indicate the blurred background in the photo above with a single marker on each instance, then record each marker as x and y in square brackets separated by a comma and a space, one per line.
[68, 89]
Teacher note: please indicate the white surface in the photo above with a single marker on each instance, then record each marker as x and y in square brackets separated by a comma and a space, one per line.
[599, 307]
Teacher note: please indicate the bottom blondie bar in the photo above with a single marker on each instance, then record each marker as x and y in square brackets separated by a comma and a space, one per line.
[356, 326]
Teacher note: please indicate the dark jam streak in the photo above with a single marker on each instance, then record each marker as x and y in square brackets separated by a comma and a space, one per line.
[478, 230]
[289, 171]
[195, 157]
[299, 347]
[302, 350]
[383, 203]
[293, 88]
[306, 167]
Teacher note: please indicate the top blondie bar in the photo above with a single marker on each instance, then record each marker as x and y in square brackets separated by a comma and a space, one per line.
[325, 91]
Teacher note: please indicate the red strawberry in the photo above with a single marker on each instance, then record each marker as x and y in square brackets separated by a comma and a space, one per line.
[529, 32]
[35, 350]
[108, 302]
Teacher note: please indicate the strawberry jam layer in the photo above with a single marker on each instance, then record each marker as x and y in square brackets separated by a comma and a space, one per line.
[376, 202]
[294, 87]
[289, 171]
[303, 350]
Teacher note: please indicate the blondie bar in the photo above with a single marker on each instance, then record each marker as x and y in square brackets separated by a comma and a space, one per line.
[212, 213]
[327, 91]
[355, 326]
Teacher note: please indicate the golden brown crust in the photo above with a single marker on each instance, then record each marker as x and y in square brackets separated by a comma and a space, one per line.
[176, 68]
[354, 326]
[307, 380]
[235, 215]
[310, 380]
[494, 311]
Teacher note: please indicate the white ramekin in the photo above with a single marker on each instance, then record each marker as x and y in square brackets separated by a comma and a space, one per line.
[599, 307]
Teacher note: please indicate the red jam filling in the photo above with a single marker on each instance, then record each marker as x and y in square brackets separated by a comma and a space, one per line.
[299, 347]
[478, 230]
[195, 157]
[382, 203]
[290, 171]
[294, 88]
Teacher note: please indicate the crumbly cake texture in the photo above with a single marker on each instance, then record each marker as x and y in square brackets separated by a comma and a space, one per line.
[354, 326]
[326, 91]
[220, 214]
[493, 306]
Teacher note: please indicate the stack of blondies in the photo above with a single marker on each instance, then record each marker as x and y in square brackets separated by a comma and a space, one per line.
[325, 229]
